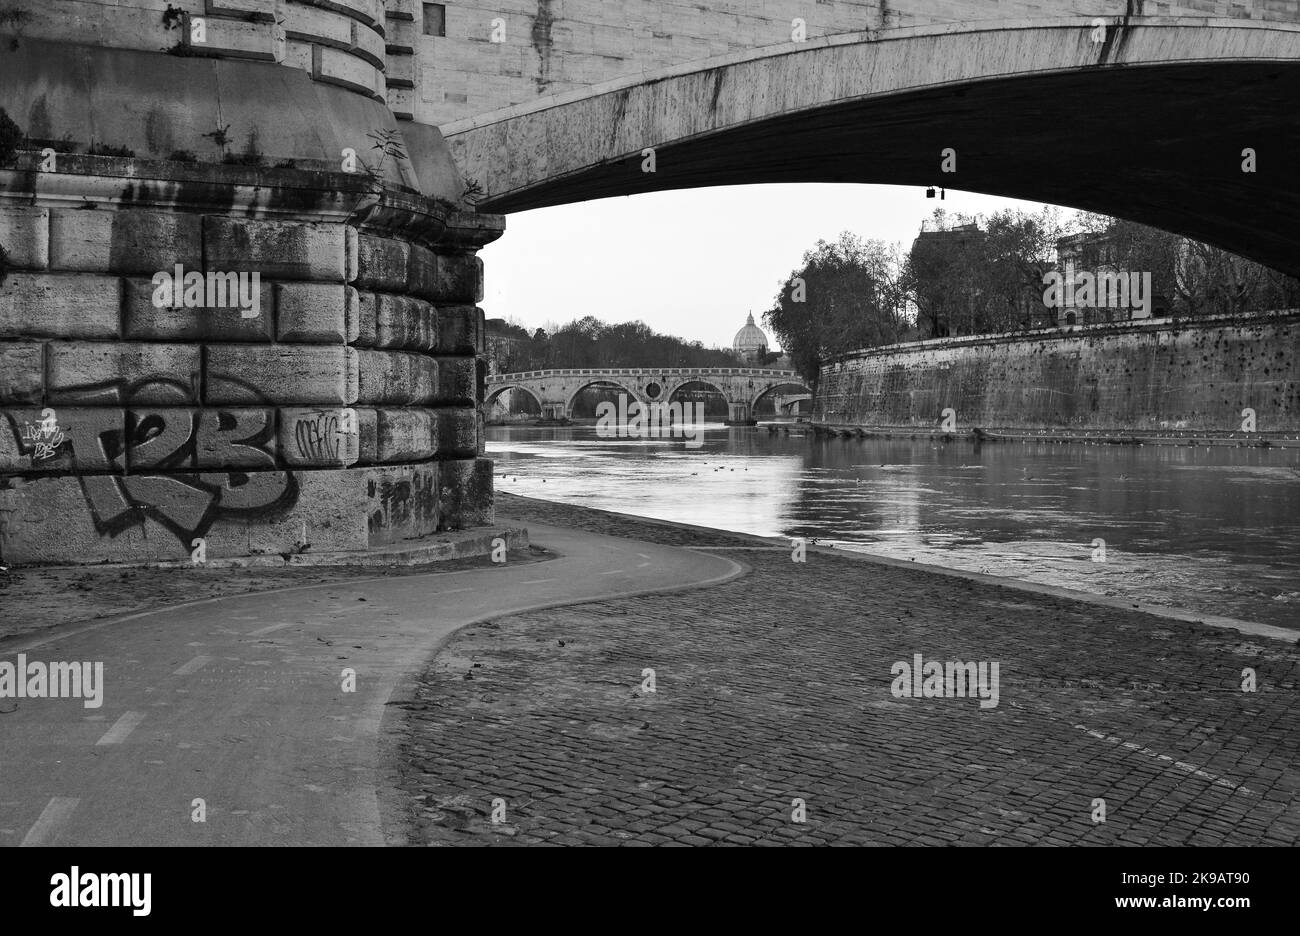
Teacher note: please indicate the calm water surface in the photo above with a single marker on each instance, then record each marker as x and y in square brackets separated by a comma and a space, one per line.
[1212, 530]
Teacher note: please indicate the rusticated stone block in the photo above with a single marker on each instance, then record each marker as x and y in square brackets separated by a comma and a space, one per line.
[460, 329]
[293, 250]
[175, 439]
[322, 313]
[307, 23]
[457, 381]
[479, 283]
[136, 518]
[115, 373]
[22, 370]
[54, 305]
[62, 439]
[397, 378]
[457, 278]
[422, 273]
[403, 322]
[457, 432]
[319, 438]
[236, 437]
[234, 38]
[403, 503]
[306, 375]
[367, 320]
[405, 435]
[127, 241]
[465, 495]
[344, 69]
[381, 263]
[142, 320]
[25, 236]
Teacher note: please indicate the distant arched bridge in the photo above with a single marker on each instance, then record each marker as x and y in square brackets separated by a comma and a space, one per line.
[555, 390]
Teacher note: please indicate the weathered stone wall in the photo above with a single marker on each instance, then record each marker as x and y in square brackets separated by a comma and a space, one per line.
[340, 411]
[559, 46]
[344, 410]
[1195, 374]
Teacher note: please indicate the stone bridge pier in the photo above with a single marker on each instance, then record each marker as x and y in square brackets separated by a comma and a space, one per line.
[238, 287]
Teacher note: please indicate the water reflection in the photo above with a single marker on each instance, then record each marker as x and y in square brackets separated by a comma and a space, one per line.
[1215, 530]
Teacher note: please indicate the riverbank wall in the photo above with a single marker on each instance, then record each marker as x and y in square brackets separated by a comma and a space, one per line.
[1175, 379]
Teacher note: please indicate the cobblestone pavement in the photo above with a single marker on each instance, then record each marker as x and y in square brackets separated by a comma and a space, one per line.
[777, 687]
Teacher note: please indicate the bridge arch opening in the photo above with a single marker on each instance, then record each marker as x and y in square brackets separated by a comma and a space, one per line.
[510, 403]
[774, 402]
[583, 402]
[701, 391]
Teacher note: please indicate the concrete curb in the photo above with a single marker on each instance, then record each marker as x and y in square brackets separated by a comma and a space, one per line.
[438, 548]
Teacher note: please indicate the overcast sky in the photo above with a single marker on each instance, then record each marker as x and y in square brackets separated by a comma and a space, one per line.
[690, 263]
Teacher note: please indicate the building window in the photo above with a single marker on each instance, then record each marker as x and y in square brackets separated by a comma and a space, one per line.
[435, 19]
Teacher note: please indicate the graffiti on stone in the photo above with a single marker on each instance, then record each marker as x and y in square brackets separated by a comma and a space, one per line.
[43, 437]
[318, 438]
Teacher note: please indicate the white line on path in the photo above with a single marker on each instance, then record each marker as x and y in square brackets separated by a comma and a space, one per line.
[260, 632]
[456, 591]
[121, 728]
[1181, 765]
[56, 814]
[613, 572]
[193, 665]
[536, 581]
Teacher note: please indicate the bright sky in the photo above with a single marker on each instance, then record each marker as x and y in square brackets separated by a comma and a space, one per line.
[691, 263]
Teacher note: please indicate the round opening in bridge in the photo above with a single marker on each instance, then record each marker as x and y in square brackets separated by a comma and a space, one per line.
[652, 390]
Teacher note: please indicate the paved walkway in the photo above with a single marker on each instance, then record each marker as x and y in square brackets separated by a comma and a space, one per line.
[777, 686]
[239, 702]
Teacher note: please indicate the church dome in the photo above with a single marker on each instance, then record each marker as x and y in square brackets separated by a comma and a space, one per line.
[750, 342]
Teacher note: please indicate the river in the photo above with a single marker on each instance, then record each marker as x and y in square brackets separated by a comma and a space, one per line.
[1205, 529]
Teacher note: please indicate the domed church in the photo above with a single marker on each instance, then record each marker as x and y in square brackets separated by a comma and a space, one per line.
[750, 343]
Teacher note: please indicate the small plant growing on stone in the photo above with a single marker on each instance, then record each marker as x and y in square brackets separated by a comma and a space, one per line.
[221, 137]
[473, 193]
[103, 149]
[251, 156]
[15, 20]
[64, 144]
[4, 264]
[183, 156]
[10, 136]
[172, 16]
[389, 144]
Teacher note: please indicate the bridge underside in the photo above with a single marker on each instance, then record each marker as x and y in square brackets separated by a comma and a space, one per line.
[1160, 144]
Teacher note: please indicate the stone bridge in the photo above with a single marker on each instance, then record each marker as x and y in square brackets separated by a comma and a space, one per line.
[555, 390]
[1150, 123]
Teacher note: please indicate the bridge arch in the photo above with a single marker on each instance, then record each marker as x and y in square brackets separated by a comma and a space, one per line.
[1015, 100]
[753, 403]
[493, 393]
[598, 382]
[671, 389]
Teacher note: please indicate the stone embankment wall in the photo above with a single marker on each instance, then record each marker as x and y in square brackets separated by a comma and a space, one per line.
[1158, 374]
[339, 413]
